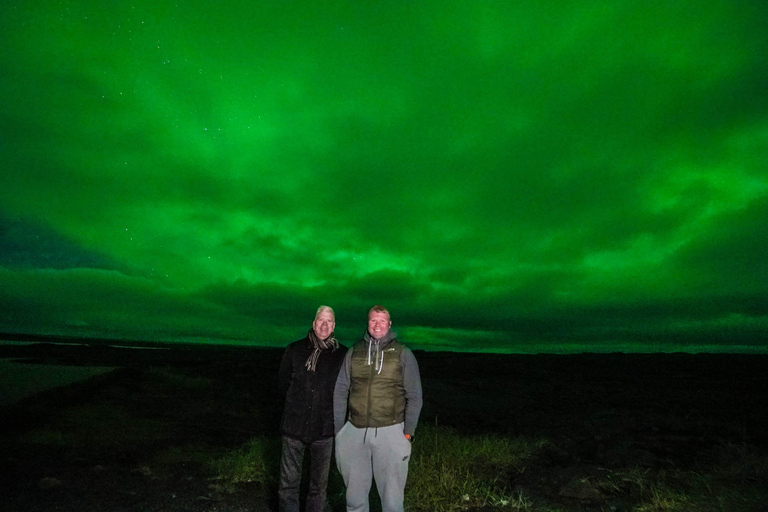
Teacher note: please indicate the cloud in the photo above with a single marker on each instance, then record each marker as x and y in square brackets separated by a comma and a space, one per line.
[497, 175]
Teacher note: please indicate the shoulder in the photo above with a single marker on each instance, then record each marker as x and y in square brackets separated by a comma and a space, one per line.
[406, 354]
[296, 345]
[401, 347]
[339, 353]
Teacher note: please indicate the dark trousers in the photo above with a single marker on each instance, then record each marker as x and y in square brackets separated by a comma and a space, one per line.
[290, 473]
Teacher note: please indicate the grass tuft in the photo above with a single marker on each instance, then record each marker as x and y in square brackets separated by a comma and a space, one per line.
[254, 462]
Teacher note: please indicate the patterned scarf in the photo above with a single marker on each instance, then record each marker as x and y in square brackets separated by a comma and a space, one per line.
[330, 343]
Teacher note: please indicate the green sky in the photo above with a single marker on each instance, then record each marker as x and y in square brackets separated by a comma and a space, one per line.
[509, 176]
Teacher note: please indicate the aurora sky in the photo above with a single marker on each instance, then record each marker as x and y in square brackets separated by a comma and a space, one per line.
[503, 176]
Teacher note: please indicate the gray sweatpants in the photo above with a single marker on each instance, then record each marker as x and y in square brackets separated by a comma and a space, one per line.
[367, 454]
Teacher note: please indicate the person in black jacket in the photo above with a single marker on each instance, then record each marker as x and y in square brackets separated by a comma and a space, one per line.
[307, 379]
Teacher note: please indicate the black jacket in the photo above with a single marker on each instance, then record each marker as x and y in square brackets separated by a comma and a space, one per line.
[308, 407]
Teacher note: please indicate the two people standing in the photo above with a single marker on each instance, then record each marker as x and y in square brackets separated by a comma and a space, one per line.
[375, 406]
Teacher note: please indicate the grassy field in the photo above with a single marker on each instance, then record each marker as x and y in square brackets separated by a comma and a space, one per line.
[198, 432]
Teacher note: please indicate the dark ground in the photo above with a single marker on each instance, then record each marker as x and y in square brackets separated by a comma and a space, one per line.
[135, 439]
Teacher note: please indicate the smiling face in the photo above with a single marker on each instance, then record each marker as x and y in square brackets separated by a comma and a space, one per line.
[378, 324]
[324, 324]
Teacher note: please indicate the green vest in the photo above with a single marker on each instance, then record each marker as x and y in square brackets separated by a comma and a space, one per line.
[376, 399]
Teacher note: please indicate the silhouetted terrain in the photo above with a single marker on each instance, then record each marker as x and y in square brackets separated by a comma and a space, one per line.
[138, 438]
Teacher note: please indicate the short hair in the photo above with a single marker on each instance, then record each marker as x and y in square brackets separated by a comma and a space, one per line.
[379, 309]
[323, 309]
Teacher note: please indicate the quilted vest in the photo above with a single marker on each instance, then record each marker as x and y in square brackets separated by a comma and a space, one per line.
[376, 399]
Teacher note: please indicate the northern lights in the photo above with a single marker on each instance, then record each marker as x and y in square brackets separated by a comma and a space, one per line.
[503, 176]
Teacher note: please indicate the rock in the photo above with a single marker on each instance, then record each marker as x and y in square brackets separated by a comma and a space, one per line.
[583, 490]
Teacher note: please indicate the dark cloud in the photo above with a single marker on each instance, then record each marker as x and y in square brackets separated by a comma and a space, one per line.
[502, 177]
[26, 244]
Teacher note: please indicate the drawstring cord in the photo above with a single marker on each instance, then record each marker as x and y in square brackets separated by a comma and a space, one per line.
[381, 359]
[375, 433]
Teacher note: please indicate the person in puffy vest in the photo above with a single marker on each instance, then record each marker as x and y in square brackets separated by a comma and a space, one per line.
[306, 379]
[376, 406]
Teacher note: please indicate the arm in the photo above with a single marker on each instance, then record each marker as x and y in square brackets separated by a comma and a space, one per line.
[341, 393]
[412, 386]
[284, 374]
